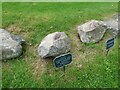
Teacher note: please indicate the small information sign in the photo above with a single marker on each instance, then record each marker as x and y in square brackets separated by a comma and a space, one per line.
[62, 60]
[110, 43]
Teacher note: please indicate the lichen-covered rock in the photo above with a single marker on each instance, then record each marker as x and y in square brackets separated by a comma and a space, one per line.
[9, 47]
[54, 44]
[92, 31]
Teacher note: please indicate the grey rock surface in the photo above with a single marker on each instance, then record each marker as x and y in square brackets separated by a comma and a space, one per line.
[112, 25]
[54, 44]
[18, 39]
[9, 47]
[92, 31]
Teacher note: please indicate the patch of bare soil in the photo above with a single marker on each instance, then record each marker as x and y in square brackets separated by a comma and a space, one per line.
[81, 54]
[37, 68]
[15, 29]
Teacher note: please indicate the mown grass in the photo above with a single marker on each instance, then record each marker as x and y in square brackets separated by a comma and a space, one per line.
[90, 67]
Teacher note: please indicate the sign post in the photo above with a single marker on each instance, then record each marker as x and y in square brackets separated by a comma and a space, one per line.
[64, 69]
[109, 44]
[62, 61]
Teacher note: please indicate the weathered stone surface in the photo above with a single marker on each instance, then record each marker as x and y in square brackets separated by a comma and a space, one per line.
[112, 25]
[9, 47]
[54, 44]
[92, 31]
[18, 39]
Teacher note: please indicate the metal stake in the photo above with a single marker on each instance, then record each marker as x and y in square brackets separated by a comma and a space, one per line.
[107, 50]
[64, 70]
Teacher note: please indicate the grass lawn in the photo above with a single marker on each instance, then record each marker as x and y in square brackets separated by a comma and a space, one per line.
[90, 67]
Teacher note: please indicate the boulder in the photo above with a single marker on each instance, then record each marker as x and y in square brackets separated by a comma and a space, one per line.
[9, 47]
[92, 31]
[54, 44]
[112, 25]
[18, 39]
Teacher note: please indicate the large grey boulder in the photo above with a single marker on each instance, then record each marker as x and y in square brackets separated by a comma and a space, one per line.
[9, 47]
[92, 31]
[54, 44]
[112, 25]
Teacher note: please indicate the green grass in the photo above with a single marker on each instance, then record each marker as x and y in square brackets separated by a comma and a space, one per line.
[90, 67]
[61, 1]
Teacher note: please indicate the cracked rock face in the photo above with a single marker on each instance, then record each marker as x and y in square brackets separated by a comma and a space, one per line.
[54, 44]
[9, 48]
[92, 31]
